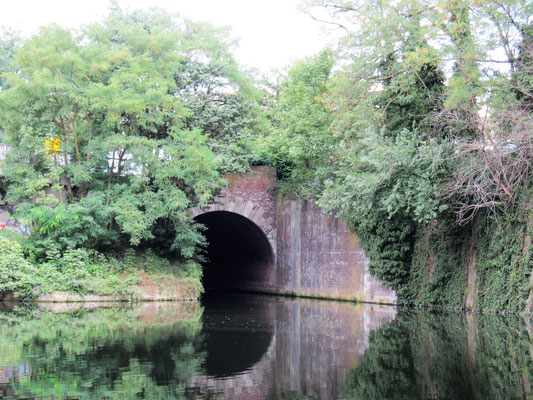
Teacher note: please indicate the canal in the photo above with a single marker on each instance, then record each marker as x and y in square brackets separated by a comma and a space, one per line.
[260, 347]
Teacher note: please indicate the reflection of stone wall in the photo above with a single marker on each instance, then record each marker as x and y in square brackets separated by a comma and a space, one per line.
[315, 345]
[319, 343]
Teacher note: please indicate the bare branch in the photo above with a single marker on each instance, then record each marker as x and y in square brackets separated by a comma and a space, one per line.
[493, 166]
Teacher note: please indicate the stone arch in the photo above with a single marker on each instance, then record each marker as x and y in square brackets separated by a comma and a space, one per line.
[239, 255]
[247, 209]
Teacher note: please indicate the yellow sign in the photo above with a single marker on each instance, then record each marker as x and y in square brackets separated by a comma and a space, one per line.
[53, 147]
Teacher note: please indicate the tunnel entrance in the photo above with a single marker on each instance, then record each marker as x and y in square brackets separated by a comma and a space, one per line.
[238, 255]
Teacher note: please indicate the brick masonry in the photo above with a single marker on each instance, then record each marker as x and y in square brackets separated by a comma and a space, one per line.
[315, 253]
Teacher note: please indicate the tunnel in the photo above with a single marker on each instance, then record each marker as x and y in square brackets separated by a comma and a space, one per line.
[238, 254]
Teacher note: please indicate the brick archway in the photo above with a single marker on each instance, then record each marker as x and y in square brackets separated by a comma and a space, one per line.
[247, 209]
[252, 196]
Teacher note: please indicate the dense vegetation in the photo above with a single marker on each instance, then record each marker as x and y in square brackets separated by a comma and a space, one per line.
[416, 130]
[117, 130]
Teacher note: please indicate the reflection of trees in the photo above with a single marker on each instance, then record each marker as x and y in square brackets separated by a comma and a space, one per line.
[505, 363]
[425, 355]
[106, 353]
[385, 371]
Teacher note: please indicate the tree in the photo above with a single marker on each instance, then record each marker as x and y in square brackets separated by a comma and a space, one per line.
[300, 140]
[522, 78]
[8, 43]
[410, 82]
[495, 167]
[132, 155]
[412, 85]
[465, 38]
[223, 103]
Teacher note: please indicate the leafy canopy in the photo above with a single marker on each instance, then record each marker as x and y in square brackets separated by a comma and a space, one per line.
[140, 104]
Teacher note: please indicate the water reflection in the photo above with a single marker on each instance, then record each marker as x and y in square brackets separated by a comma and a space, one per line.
[255, 347]
[105, 353]
[424, 355]
[236, 332]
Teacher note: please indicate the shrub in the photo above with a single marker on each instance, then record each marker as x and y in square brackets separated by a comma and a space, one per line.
[17, 275]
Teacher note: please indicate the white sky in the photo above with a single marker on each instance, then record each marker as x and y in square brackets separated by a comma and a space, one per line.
[272, 33]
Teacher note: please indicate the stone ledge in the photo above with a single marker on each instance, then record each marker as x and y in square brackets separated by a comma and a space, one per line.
[149, 288]
[139, 295]
[65, 297]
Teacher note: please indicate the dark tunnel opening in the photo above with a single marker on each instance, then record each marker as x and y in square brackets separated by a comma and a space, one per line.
[238, 254]
[237, 330]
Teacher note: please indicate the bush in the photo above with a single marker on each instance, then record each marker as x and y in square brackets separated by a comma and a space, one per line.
[17, 275]
[152, 263]
[81, 271]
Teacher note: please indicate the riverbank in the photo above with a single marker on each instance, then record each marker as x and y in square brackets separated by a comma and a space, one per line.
[147, 287]
[78, 275]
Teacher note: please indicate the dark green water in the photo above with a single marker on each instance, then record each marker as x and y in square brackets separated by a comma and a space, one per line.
[248, 347]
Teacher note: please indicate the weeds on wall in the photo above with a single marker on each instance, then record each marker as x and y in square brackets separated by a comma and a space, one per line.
[503, 263]
[437, 274]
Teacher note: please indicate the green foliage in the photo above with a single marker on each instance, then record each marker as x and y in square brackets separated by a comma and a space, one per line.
[413, 86]
[383, 189]
[388, 244]
[522, 79]
[503, 265]
[223, 104]
[81, 271]
[17, 275]
[437, 273]
[299, 141]
[152, 263]
[82, 223]
[8, 43]
[54, 344]
[76, 271]
[148, 110]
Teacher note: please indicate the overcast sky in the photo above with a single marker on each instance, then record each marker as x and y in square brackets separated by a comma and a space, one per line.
[272, 33]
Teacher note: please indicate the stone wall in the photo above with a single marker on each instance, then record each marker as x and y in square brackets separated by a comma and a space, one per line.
[315, 253]
[319, 256]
